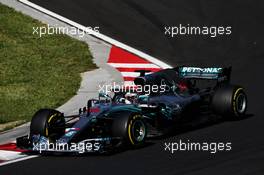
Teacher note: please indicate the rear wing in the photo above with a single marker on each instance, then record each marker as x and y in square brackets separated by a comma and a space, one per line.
[210, 73]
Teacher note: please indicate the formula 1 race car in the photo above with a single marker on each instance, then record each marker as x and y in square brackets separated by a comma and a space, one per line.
[130, 116]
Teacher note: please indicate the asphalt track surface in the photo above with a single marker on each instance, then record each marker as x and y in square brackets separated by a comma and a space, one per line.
[140, 24]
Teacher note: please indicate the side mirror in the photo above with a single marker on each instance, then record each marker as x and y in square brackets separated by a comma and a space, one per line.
[102, 94]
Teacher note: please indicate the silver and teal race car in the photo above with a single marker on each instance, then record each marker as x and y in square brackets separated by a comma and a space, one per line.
[127, 118]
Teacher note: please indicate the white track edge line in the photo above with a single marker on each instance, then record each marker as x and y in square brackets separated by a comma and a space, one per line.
[98, 35]
[131, 74]
[18, 160]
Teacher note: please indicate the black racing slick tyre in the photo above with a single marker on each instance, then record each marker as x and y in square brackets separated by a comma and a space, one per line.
[47, 122]
[230, 101]
[130, 128]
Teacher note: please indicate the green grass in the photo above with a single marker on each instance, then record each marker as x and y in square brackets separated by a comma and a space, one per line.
[36, 72]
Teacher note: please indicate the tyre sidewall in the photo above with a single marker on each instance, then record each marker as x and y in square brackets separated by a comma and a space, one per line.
[42, 120]
[122, 128]
[224, 101]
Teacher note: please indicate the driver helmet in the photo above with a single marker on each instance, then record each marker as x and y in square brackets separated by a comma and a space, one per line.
[130, 98]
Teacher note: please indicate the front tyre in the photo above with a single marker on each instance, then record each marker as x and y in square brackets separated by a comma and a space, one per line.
[130, 128]
[230, 101]
[49, 123]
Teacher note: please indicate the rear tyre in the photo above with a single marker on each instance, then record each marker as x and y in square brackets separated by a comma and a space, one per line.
[49, 123]
[230, 101]
[130, 128]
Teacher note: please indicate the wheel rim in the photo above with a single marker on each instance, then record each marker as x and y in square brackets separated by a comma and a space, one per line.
[241, 103]
[139, 130]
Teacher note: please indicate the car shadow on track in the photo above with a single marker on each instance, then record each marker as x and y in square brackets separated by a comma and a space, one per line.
[200, 123]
